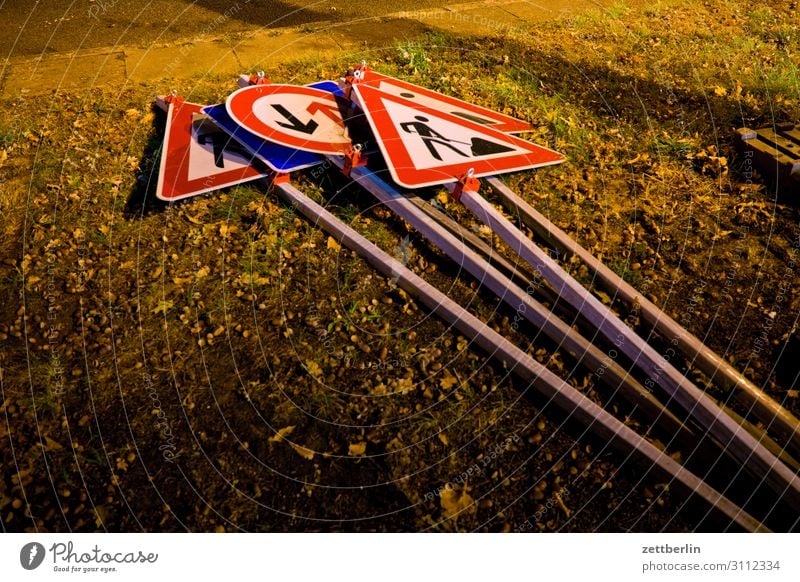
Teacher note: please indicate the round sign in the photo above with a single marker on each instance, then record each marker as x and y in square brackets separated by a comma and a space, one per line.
[303, 118]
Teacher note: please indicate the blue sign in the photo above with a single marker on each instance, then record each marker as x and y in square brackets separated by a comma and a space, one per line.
[278, 157]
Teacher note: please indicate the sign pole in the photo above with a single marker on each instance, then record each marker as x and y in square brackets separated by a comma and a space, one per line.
[742, 445]
[523, 365]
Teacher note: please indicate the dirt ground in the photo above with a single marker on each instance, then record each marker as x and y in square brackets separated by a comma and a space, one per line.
[223, 365]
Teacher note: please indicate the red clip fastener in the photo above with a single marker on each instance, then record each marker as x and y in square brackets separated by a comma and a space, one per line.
[353, 76]
[278, 178]
[173, 97]
[353, 158]
[259, 79]
[468, 182]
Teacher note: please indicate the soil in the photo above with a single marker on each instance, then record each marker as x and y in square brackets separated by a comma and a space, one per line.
[223, 365]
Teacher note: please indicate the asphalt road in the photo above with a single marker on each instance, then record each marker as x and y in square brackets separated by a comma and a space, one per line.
[33, 28]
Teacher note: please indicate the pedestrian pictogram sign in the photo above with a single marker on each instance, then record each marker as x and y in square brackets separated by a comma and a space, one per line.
[196, 156]
[440, 102]
[303, 118]
[425, 147]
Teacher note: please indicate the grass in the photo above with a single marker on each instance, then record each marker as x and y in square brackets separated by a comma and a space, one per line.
[8, 135]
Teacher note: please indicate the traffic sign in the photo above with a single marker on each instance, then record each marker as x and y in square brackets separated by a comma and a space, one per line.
[304, 118]
[440, 102]
[425, 147]
[279, 158]
[195, 157]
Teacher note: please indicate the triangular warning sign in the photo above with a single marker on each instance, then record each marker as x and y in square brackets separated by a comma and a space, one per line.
[441, 102]
[197, 157]
[425, 147]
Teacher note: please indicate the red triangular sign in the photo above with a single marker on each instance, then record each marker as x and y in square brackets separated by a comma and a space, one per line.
[426, 147]
[441, 102]
[196, 156]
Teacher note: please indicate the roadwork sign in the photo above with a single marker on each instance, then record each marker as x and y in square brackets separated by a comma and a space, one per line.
[424, 146]
[440, 102]
[196, 156]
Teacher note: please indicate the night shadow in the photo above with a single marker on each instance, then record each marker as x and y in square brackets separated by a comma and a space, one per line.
[142, 199]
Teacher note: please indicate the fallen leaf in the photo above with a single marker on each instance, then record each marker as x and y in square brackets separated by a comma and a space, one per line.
[332, 244]
[163, 307]
[50, 445]
[357, 449]
[307, 454]
[313, 368]
[604, 297]
[225, 230]
[447, 382]
[281, 433]
[455, 502]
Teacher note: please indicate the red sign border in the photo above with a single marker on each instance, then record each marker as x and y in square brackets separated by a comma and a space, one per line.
[504, 123]
[175, 152]
[240, 107]
[399, 161]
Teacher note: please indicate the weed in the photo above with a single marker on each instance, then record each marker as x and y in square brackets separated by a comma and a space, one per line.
[676, 149]
[617, 10]
[622, 268]
[415, 56]
[7, 136]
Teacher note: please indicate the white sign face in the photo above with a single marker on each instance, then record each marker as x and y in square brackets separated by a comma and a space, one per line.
[434, 142]
[299, 117]
[433, 103]
[210, 151]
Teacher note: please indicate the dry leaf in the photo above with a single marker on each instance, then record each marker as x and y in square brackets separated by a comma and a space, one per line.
[357, 449]
[604, 297]
[163, 307]
[314, 369]
[455, 502]
[447, 382]
[332, 244]
[286, 431]
[225, 230]
[307, 454]
[50, 445]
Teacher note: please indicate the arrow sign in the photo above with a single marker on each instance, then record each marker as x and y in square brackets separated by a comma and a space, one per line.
[279, 158]
[304, 118]
[195, 157]
[440, 102]
[425, 147]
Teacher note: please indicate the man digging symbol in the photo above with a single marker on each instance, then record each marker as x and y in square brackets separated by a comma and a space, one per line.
[433, 140]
